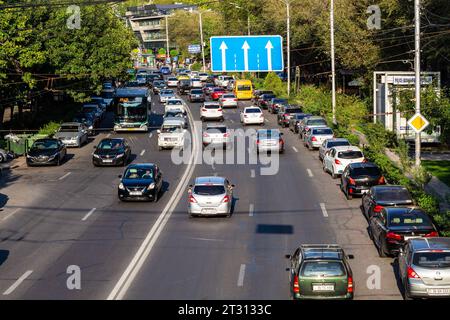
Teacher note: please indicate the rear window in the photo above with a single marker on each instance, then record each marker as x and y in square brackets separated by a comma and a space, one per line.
[320, 131]
[253, 111]
[229, 96]
[323, 269]
[216, 129]
[174, 103]
[244, 88]
[388, 194]
[268, 96]
[209, 190]
[293, 110]
[218, 90]
[68, 129]
[436, 259]
[350, 154]
[337, 144]
[269, 135]
[404, 220]
[316, 122]
[368, 171]
[197, 91]
[211, 106]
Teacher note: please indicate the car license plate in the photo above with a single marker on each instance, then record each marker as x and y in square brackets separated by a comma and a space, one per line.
[438, 292]
[107, 160]
[323, 287]
[135, 193]
[209, 211]
[364, 191]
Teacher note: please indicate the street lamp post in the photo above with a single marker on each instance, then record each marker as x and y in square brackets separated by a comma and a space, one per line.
[333, 71]
[417, 75]
[167, 38]
[202, 44]
[288, 25]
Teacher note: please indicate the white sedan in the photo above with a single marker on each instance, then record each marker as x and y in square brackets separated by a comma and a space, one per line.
[252, 115]
[337, 158]
[228, 100]
[172, 82]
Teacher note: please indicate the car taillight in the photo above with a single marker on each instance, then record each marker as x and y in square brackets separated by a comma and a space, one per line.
[351, 181]
[296, 286]
[313, 139]
[204, 110]
[226, 199]
[220, 109]
[393, 236]
[281, 141]
[432, 234]
[381, 180]
[226, 135]
[235, 99]
[192, 199]
[350, 285]
[377, 209]
[257, 141]
[412, 274]
[336, 161]
[206, 134]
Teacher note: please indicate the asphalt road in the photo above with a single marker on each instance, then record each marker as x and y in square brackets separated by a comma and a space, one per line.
[48, 224]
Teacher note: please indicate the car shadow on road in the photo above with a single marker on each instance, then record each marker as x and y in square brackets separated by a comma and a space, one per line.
[4, 254]
[68, 157]
[395, 269]
[3, 200]
[164, 188]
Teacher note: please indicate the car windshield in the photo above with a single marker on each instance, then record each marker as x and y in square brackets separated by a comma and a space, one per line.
[393, 194]
[139, 173]
[316, 122]
[171, 128]
[322, 131]
[177, 113]
[332, 144]
[172, 79]
[323, 269]
[350, 154]
[218, 90]
[268, 96]
[209, 190]
[366, 171]
[402, 219]
[433, 259]
[110, 144]
[216, 129]
[89, 109]
[197, 91]
[253, 110]
[167, 92]
[68, 129]
[45, 145]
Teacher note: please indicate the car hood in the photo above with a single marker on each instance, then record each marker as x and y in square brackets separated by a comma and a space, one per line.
[60, 135]
[137, 182]
[36, 153]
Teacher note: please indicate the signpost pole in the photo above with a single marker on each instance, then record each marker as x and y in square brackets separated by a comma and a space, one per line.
[167, 39]
[333, 68]
[417, 71]
[201, 40]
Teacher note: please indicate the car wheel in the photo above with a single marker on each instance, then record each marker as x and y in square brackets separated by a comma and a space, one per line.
[58, 162]
[348, 196]
[156, 197]
[406, 294]
[381, 252]
[1, 158]
[333, 175]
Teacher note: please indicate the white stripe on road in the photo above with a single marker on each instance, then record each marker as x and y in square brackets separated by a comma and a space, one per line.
[11, 214]
[252, 173]
[135, 265]
[240, 281]
[88, 214]
[295, 149]
[231, 120]
[251, 209]
[324, 210]
[310, 174]
[266, 120]
[142, 152]
[65, 176]
[17, 283]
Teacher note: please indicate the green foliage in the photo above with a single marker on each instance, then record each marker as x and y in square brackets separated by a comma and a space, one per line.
[50, 128]
[196, 66]
[274, 83]
[162, 51]
[174, 53]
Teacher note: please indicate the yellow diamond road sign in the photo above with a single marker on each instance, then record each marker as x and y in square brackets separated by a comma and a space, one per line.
[418, 123]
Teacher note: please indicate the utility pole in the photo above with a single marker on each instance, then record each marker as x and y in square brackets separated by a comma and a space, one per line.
[333, 68]
[248, 22]
[167, 39]
[417, 71]
[288, 25]
[201, 40]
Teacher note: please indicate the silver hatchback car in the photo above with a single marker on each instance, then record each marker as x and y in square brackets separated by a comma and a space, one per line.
[424, 267]
[210, 196]
[315, 137]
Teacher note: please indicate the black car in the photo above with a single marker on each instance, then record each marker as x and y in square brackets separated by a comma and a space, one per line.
[140, 182]
[295, 120]
[382, 196]
[264, 99]
[111, 152]
[275, 103]
[285, 113]
[207, 88]
[184, 86]
[391, 227]
[88, 119]
[46, 152]
[158, 85]
[359, 177]
[257, 94]
[196, 95]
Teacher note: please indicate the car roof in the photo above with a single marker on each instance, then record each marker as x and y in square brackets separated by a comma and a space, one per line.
[425, 244]
[211, 103]
[347, 148]
[388, 187]
[320, 128]
[173, 120]
[209, 180]
[324, 251]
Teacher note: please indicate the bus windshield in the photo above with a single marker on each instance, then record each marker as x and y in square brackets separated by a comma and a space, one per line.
[131, 109]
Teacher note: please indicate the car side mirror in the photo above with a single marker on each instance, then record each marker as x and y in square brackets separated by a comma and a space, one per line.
[288, 269]
[232, 186]
[95, 147]
[350, 256]
[158, 131]
[288, 256]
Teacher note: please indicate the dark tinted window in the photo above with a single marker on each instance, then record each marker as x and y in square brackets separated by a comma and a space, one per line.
[293, 110]
[323, 269]
[45, 145]
[437, 259]
[211, 106]
[197, 91]
[209, 190]
[350, 154]
[337, 144]
[216, 129]
[366, 171]
[316, 122]
[268, 96]
[110, 144]
[320, 131]
[402, 219]
[392, 194]
[253, 110]
[68, 129]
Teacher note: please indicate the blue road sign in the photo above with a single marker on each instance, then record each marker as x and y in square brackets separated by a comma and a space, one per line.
[247, 53]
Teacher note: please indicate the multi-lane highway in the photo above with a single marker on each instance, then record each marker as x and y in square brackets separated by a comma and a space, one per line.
[65, 216]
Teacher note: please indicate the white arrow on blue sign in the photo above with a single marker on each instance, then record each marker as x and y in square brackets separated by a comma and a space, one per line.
[247, 53]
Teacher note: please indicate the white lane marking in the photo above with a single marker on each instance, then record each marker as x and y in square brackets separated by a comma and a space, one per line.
[324, 210]
[252, 173]
[150, 135]
[17, 283]
[310, 174]
[240, 133]
[207, 239]
[240, 281]
[295, 149]
[266, 120]
[142, 152]
[88, 214]
[133, 268]
[251, 209]
[11, 214]
[65, 176]
[108, 135]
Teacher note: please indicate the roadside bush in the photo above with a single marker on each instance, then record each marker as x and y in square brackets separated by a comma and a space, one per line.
[196, 66]
[274, 83]
[50, 128]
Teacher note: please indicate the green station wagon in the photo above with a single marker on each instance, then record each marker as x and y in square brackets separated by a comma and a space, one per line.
[320, 272]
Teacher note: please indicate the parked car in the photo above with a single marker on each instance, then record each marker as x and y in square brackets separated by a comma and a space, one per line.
[196, 95]
[320, 272]
[72, 134]
[327, 144]
[216, 135]
[358, 178]
[111, 152]
[216, 93]
[165, 95]
[228, 100]
[316, 136]
[211, 111]
[337, 158]
[142, 182]
[48, 151]
[309, 122]
[382, 196]
[172, 82]
[257, 94]
[285, 113]
[390, 228]
[424, 268]
[210, 196]
[172, 134]
[294, 122]
[252, 115]
[275, 103]
[264, 99]
[269, 140]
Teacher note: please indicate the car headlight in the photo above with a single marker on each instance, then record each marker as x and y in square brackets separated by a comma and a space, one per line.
[120, 155]
[121, 187]
[151, 186]
[91, 127]
[29, 157]
[52, 156]
[96, 155]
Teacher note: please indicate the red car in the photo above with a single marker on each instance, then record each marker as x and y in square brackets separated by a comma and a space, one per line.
[216, 93]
